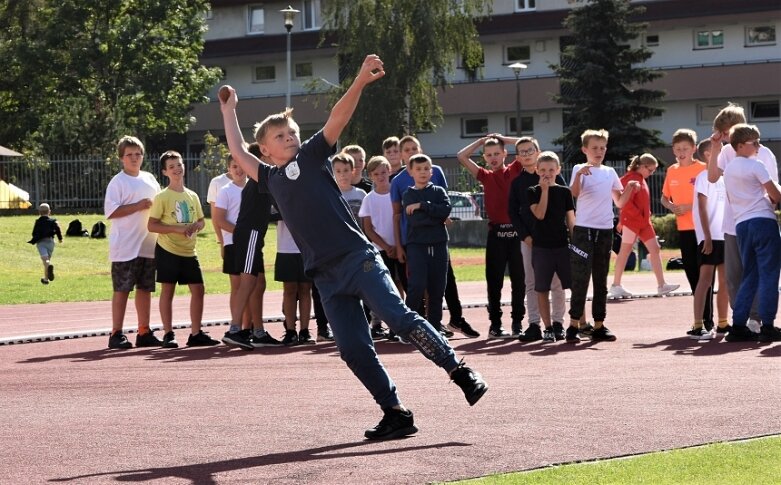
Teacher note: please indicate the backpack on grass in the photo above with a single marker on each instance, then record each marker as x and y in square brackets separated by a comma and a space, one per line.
[75, 229]
[98, 230]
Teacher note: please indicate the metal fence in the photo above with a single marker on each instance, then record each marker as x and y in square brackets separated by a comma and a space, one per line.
[79, 184]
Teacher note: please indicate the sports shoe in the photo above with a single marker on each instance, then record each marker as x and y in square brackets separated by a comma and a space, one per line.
[768, 333]
[50, 272]
[532, 334]
[379, 332]
[752, 325]
[325, 334]
[264, 341]
[169, 341]
[394, 424]
[463, 327]
[602, 334]
[708, 335]
[290, 338]
[237, 339]
[44, 281]
[148, 339]
[724, 329]
[741, 334]
[443, 330]
[695, 332]
[201, 339]
[516, 329]
[558, 330]
[118, 340]
[572, 335]
[393, 338]
[305, 338]
[498, 332]
[470, 382]
[548, 335]
[586, 330]
[666, 288]
[618, 291]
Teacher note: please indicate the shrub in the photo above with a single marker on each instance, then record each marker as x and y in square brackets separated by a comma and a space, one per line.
[666, 230]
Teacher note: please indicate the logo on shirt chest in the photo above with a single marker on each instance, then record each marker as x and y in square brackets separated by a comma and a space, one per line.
[292, 171]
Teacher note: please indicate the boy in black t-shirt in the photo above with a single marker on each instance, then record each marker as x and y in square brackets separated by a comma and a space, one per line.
[552, 205]
[343, 264]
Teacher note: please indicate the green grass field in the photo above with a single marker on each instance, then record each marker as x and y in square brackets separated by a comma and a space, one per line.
[754, 462]
[83, 271]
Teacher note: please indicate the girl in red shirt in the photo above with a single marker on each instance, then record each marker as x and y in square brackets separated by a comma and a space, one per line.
[635, 222]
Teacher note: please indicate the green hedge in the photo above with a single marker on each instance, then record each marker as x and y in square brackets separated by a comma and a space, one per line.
[667, 231]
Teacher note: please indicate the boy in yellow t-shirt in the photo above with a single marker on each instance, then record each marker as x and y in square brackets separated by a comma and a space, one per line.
[678, 198]
[177, 216]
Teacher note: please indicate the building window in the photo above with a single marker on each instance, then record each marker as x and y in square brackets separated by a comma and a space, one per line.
[525, 5]
[474, 127]
[310, 14]
[208, 15]
[303, 69]
[527, 125]
[761, 35]
[709, 39]
[707, 112]
[652, 40]
[517, 53]
[264, 74]
[255, 19]
[764, 110]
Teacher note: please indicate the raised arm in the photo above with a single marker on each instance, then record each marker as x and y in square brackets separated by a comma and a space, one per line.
[464, 156]
[371, 70]
[714, 172]
[249, 163]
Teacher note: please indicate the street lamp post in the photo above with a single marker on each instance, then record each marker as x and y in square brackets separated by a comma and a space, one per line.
[517, 68]
[289, 14]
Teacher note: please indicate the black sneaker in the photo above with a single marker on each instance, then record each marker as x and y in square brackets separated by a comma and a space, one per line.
[443, 330]
[548, 335]
[768, 333]
[498, 332]
[571, 335]
[305, 338]
[325, 334]
[393, 338]
[724, 329]
[586, 330]
[169, 341]
[50, 272]
[470, 382]
[201, 339]
[44, 281]
[290, 338]
[394, 424]
[463, 327]
[516, 329]
[148, 339]
[558, 331]
[602, 334]
[532, 334]
[379, 333]
[119, 341]
[265, 341]
[741, 334]
[237, 339]
[697, 333]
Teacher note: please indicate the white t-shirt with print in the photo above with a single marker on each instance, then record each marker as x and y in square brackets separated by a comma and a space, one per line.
[128, 236]
[380, 209]
[594, 208]
[716, 194]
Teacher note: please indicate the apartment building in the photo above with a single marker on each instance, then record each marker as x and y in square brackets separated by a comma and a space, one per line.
[710, 51]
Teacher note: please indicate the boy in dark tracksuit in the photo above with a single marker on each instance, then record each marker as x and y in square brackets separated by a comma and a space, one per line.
[427, 207]
[44, 232]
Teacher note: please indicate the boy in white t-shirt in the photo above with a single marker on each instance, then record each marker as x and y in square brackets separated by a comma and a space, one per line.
[708, 215]
[596, 188]
[215, 185]
[753, 196]
[296, 287]
[131, 246]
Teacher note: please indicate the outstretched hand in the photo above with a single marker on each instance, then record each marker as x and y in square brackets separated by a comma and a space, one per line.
[228, 97]
[371, 69]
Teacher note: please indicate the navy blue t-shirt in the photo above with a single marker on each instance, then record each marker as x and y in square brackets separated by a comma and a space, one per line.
[311, 204]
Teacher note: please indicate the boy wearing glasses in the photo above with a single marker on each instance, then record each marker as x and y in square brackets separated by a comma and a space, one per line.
[753, 196]
[502, 247]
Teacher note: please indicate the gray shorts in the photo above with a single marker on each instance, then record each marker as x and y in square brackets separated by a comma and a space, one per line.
[138, 273]
[45, 247]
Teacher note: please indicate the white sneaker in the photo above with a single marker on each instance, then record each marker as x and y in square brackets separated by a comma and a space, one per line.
[753, 325]
[618, 291]
[708, 335]
[666, 288]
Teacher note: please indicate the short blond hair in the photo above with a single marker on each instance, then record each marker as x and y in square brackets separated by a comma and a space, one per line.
[44, 209]
[743, 133]
[128, 141]
[729, 116]
[408, 139]
[283, 118]
[548, 156]
[377, 161]
[343, 157]
[354, 149]
[588, 135]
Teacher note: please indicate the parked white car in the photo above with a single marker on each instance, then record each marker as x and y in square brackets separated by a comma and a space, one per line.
[464, 207]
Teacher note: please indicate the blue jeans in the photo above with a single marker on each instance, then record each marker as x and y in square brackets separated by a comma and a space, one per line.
[427, 268]
[361, 275]
[760, 252]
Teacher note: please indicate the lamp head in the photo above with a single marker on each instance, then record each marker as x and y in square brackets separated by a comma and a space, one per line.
[289, 14]
[517, 68]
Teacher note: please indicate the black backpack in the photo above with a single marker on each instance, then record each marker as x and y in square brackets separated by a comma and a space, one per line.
[75, 229]
[98, 230]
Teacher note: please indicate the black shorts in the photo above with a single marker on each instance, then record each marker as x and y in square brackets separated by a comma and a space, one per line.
[289, 268]
[172, 268]
[547, 262]
[715, 258]
[248, 252]
[137, 273]
[229, 260]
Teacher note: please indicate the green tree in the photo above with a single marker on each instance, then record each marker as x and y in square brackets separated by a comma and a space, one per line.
[601, 81]
[81, 73]
[419, 42]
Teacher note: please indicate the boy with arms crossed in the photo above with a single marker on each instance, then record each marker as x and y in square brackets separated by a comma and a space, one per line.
[131, 247]
[344, 265]
[502, 247]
